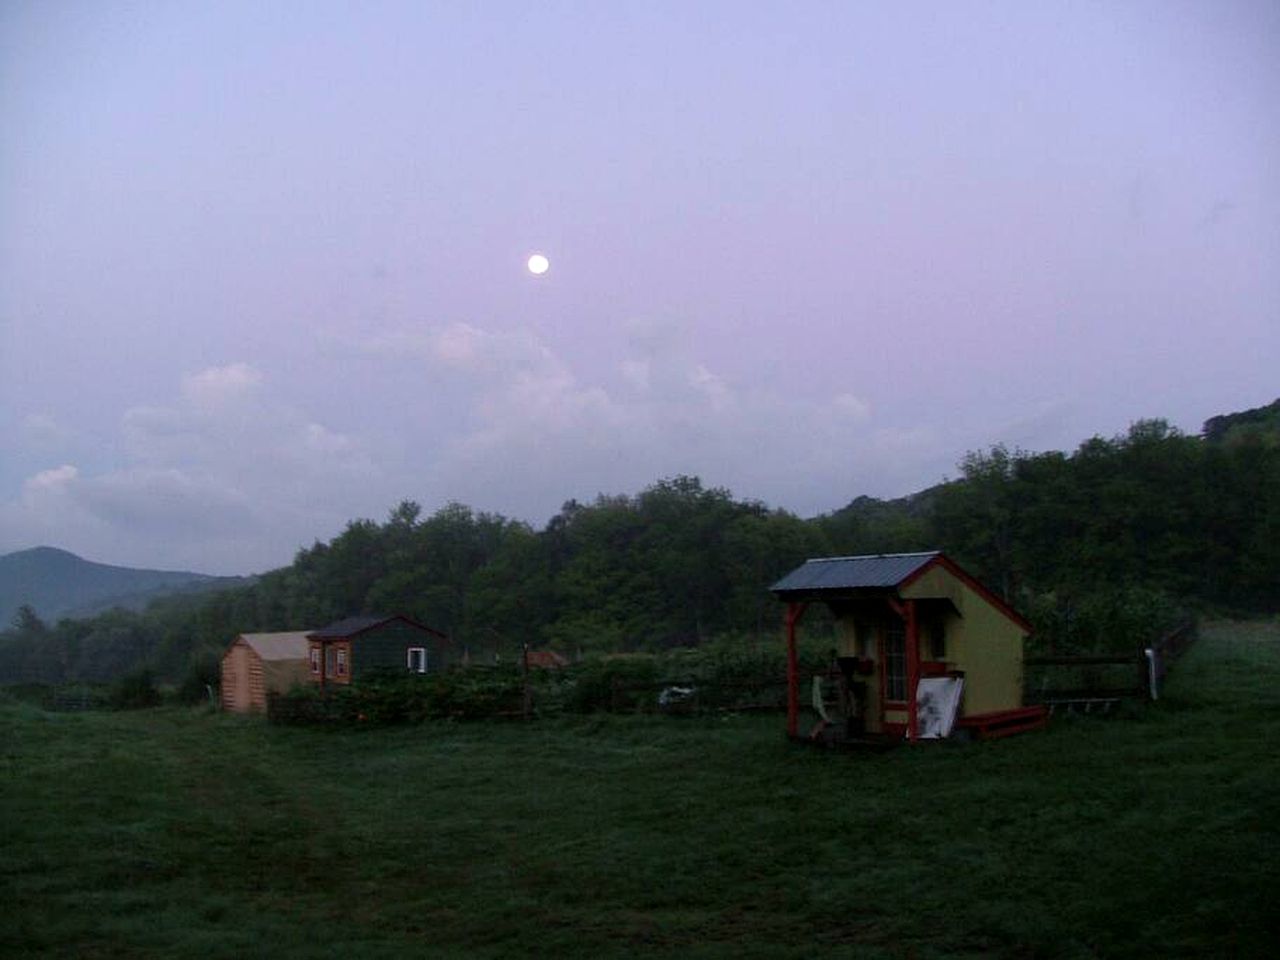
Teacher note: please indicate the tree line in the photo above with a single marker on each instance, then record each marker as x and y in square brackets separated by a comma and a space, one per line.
[1106, 540]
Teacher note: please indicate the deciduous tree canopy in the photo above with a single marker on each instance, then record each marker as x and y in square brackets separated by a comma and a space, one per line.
[1156, 515]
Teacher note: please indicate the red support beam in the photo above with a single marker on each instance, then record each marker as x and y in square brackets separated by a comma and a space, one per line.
[913, 668]
[794, 612]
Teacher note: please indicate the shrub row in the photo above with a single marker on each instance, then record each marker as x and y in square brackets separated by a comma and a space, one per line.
[1123, 620]
[461, 694]
[724, 678]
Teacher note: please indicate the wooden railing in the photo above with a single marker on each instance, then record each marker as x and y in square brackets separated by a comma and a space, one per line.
[76, 700]
[1095, 679]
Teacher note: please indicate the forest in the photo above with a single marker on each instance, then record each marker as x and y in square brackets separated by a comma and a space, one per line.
[1099, 547]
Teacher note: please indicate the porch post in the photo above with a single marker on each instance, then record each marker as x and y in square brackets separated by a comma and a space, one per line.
[794, 612]
[913, 669]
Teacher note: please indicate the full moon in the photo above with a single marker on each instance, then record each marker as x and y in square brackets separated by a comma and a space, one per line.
[538, 264]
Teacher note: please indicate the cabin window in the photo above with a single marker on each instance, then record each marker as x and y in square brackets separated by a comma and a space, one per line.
[315, 660]
[342, 663]
[895, 663]
[418, 659]
[937, 641]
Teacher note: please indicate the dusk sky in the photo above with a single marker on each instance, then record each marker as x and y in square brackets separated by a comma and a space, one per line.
[263, 265]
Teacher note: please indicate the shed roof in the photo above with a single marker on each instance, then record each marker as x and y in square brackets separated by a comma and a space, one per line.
[349, 627]
[876, 571]
[278, 646]
[831, 578]
[546, 659]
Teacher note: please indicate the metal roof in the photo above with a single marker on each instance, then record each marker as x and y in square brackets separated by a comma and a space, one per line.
[278, 646]
[348, 627]
[353, 625]
[878, 571]
[547, 659]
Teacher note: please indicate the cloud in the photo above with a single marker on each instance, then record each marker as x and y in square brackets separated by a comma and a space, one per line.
[320, 439]
[226, 424]
[42, 431]
[536, 433]
[636, 373]
[149, 501]
[713, 388]
[56, 479]
[227, 477]
[1216, 214]
[462, 348]
[217, 387]
[852, 407]
[224, 478]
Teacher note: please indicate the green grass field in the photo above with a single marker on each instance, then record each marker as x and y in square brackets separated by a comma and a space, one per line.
[180, 833]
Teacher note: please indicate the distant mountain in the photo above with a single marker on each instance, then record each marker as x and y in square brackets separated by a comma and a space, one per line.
[59, 584]
[871, 525]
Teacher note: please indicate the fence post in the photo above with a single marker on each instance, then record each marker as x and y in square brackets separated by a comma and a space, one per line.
[1153, 683]
[526, 698]
[794, 612]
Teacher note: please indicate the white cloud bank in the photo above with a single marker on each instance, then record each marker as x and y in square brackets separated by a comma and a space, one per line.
[223, 479]
[536, 433]
[228, 477]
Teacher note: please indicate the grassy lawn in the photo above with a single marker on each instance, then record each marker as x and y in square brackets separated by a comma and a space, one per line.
[181, 833]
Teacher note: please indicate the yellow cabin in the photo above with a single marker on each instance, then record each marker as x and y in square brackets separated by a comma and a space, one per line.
[924, 649]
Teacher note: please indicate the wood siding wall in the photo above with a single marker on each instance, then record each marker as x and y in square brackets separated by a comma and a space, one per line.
[982, 641]
[242, 686]
[246, 679]
[387, 648]
[382, 649]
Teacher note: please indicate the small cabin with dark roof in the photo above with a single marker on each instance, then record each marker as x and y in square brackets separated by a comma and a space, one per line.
[922, 647]
[345, 651]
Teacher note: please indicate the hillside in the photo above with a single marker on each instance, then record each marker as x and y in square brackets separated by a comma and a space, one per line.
[56, 583]
[1260, 424]
[1096, 547]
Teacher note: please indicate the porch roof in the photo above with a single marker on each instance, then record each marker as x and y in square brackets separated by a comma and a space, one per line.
[835, 578]
[828, 574]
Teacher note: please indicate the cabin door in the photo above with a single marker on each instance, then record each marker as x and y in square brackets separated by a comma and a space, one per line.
[893, 677]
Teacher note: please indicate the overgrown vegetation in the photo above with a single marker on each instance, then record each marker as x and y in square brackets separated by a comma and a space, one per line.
[1108, 619]
[723, 675]
[135, 691]
[1101, 547]
[478, 692]
[188, 834]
